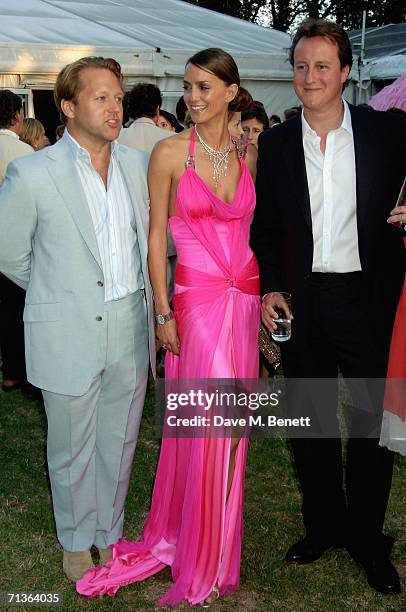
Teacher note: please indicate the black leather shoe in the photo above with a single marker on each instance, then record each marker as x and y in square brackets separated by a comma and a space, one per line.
[305, 551]
[381, 575]
[374, 560]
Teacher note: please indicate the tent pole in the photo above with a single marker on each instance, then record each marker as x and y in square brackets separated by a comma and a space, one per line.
[361, 58]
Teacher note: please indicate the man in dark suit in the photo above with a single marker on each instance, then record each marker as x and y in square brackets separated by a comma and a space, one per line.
[327, 180]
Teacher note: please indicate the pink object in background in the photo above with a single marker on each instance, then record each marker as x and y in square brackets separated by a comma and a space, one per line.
[393, 95]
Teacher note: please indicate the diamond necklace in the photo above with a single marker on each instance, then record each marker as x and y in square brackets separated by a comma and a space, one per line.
[218, 158]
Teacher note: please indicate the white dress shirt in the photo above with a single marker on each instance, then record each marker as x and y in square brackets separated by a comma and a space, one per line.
[331, 180]
[114, 223]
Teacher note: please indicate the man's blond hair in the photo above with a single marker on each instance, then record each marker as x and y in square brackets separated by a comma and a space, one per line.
[68, 84]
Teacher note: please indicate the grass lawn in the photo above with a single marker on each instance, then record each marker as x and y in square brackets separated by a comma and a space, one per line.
[30, 557]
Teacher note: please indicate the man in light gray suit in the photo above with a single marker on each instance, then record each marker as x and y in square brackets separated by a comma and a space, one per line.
[73, 233]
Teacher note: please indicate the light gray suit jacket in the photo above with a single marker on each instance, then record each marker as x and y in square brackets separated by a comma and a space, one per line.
[48, 246]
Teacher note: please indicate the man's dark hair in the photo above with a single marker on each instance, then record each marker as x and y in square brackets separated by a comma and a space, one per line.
[289, 113]
[181, 109]
[393, 109]
[10, 105]
[275, 118]
[323, 27]
[143, 100]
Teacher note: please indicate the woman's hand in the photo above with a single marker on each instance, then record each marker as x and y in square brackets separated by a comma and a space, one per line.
[397, 215]
[168, 336]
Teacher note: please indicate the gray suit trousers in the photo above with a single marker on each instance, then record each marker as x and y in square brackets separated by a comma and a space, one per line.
[92, 438]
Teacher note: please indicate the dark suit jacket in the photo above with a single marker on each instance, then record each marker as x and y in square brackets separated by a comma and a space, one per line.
[281, 234]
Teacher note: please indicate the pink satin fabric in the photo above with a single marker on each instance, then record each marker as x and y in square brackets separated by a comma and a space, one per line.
[193, 525]
[395, 393]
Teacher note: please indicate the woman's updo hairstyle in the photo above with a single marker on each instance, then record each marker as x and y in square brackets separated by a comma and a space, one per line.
[221, 64]
[243, 99]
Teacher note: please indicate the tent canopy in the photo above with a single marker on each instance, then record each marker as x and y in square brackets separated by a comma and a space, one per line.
[139, 24]
[384, 51]
[381, 41]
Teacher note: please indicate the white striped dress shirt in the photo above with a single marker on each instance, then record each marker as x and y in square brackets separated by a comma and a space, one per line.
[114, 223]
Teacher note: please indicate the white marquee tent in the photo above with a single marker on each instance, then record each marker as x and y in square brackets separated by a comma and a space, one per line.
[151, 39]
[384, 50]
[384, 58]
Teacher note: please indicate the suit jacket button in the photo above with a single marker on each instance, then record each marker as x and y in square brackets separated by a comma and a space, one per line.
[99, 318]
[100, 283]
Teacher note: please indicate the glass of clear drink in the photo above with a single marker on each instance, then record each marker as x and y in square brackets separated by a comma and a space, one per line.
[283, 331]
[401, 202]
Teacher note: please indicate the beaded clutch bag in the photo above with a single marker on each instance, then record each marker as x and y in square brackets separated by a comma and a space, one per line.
[268, 348]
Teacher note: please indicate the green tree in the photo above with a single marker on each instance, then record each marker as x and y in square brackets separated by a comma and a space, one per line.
[379, 12]
[317, 9]
[244, 9]
[281, 14]
[284, 14]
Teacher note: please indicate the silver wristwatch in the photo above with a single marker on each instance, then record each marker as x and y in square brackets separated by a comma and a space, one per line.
[161, 319]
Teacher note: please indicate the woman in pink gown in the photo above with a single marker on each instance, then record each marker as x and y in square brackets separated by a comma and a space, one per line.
[195, 521]
[393, 433]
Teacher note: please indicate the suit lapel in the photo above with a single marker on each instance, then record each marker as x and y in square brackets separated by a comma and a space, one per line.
[295, 161]
[366, 158]
[135, 178]
[67, 182]
[136, 185]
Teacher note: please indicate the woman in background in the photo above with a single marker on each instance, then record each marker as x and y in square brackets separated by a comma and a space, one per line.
[33, 133]
[393, 434]
[167, 121]
[234, 119]
[254, 121]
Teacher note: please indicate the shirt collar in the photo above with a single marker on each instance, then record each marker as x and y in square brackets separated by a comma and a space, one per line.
[345, 124]
[9, 133]
[81, 153]
[144, 120]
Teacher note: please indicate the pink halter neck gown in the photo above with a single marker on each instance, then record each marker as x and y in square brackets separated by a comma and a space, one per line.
[193, 525]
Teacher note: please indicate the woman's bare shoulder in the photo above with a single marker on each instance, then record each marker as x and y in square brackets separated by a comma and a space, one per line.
[173, 145]
[169, 155]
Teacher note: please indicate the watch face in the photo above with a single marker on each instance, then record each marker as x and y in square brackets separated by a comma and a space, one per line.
[161, 319]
